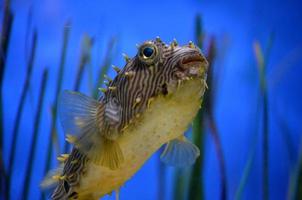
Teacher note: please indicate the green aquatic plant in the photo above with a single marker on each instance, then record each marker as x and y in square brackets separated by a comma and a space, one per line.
[205, 118]
[295, 179]
[33, 145]
[262, 68]
[20, 108]
[105, 66]
[262, 105]
[53, 138]
[298, 176]
[4, 43]
[85, 59]
[209, 104]
[196, 181]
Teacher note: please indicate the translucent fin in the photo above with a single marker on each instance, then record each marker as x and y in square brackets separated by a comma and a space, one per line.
[78, 115]
[82, 117]
[111, 156]
[180, 152]
[50, 181]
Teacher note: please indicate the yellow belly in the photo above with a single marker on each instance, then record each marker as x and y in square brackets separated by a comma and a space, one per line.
[166, 119]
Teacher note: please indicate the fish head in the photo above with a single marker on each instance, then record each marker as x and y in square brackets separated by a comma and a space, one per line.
[161, 66]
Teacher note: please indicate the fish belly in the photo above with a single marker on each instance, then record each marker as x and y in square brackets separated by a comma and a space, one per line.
[166, 118]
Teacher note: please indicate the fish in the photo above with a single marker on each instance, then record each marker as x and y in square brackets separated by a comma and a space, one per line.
[150, 103]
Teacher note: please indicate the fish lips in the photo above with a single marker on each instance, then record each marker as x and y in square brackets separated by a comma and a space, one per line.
[192, 66]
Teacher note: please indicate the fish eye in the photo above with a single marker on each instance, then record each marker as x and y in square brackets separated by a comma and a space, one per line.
[148, 53]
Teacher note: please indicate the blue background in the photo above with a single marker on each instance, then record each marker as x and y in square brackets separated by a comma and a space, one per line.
[235, 24]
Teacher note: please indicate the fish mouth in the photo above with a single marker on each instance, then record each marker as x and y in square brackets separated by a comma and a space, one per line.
[189, 67]
[192, 66]
[193, 59]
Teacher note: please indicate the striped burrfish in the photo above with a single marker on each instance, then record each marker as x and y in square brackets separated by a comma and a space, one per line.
[150, 102]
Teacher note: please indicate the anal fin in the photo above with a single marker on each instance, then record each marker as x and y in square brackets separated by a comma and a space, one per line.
[180, 152]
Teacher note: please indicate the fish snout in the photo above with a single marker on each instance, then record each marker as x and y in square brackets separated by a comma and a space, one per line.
[193, 64]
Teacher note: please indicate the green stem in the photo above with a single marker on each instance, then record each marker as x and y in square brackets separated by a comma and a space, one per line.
[60, 75]
[252, 152]
[87, 43]
[4, 41]
[298, 175]
[196, 184]
[104, 67]
[20, 108]
[196, 181]
[179, 187]
[219, 152]
[33, 145]
[265, 146]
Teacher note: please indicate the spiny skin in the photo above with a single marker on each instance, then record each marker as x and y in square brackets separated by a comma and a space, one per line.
[129, 94]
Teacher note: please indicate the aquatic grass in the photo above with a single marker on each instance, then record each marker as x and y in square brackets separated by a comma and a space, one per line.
[298, 175]
[205, 116]
[262, 105]
[28, 30]
[295, 179]
[33, 144]
[199, 32]
[209, 117]
[4, 42]
[285, 134]
[246, 171]
[26, 52]
[295, 182]
[195, 179]
[85, 58]
[104, 66]
[265, 132]
[179, 186]
[251, 155]
[262, 67]
[279, 72]
[20, 108]
[196, 182]
[220, 157]
[53, 132]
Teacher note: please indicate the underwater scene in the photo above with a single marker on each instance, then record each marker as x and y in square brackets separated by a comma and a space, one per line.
[154, 100]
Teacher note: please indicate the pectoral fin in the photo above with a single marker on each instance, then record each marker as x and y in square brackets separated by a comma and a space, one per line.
[83, 118]
[180, 152]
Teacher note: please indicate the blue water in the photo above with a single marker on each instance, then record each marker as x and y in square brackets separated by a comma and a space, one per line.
[235, 24]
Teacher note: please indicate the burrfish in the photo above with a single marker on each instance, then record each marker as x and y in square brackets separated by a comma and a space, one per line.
[151, 102]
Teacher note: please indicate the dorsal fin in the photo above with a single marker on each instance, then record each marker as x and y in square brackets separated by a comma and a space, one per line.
[83, 117]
